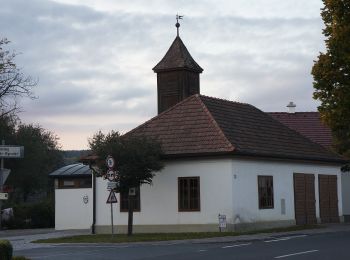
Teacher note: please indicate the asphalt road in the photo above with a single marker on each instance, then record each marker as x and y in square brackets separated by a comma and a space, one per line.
[317, 246]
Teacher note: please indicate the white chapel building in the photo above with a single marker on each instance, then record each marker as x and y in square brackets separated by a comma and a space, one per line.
[221, 157]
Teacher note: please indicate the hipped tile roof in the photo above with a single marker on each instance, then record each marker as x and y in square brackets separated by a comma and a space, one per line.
[308, 124]
[177, 57]
[202, 125]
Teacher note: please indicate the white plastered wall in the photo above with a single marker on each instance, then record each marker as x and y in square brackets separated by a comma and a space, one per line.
[70, 210]
[245, 188]
[159, 202]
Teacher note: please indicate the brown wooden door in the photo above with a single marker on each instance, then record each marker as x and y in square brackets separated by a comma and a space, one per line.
[304, 199]
[328, 193]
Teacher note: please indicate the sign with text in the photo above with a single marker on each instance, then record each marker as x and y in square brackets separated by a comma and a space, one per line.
[222, 221]
[11, 151]
[4, 196]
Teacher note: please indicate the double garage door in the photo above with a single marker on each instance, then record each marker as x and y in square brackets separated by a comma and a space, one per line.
[304, 198]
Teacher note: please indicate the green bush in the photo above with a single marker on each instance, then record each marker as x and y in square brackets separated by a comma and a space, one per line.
[37, 215]
[5, 250]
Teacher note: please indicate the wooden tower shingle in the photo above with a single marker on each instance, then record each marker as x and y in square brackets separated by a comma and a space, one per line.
[177, 76]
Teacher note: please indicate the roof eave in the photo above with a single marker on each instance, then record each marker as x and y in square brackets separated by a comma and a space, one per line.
[252, 154]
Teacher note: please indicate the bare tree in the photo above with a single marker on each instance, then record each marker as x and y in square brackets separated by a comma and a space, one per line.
[14, 84]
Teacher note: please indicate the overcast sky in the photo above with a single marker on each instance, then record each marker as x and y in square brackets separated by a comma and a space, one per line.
[94, 59]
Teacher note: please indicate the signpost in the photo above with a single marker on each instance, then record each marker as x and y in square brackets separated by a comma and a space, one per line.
[6, 152]
[222, 222]
[112, 199]
[111, 175]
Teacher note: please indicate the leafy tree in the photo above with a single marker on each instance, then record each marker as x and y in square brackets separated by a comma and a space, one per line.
[41, 156]
[331, 73]
[137, 159]
[13, 83]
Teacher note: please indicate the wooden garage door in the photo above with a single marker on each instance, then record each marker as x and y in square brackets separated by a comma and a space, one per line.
[328, 192]
[304, 199]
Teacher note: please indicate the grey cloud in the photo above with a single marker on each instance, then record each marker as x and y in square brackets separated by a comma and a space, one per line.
[94, 63]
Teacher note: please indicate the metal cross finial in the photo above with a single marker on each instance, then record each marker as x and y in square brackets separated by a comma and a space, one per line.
[177, 22]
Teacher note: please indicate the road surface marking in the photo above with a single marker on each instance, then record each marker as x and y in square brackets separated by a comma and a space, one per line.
[89, 246]
[284, 238]
[299, 253]
[167, 244]
[247, 244]
[202, 250]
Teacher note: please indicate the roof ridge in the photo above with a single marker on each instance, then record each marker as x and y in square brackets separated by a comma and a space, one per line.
[216, 125]
[300, 112]
[226, 100]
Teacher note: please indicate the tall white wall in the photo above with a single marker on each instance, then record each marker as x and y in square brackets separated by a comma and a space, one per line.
[70, 210]
[245, 188]
[227, 186]
[159, 202]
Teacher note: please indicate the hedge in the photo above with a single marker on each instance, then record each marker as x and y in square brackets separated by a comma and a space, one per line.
[6, 250]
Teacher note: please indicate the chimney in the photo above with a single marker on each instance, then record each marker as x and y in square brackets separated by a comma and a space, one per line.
[291, 107]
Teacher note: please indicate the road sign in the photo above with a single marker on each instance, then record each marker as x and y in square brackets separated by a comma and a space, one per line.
[5, 174]
[112, 185]
[111, 175]
[112, 198]
[4, 196]
[110, 162]
[222, 221]
[11, 151]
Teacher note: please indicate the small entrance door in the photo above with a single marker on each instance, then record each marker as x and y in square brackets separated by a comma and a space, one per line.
[328, 192]
[304, 198]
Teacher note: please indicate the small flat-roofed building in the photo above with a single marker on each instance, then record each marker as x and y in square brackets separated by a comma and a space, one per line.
[73, 197]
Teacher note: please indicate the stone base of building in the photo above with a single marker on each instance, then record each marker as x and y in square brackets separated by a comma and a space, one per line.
[346, 218]
[263, 225]
[122, 229]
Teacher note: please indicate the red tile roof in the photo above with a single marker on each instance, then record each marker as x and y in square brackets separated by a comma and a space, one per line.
[204, 125]
[308, 124]
[186, 128]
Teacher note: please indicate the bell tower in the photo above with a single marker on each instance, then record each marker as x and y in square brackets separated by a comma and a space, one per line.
[177, 74]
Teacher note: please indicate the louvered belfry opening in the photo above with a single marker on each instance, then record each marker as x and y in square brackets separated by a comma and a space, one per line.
[177, 76]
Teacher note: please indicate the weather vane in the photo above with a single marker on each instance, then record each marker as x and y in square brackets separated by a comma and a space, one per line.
[177, 22]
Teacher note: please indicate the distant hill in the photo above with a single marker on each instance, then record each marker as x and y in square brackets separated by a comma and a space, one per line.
[72, 156]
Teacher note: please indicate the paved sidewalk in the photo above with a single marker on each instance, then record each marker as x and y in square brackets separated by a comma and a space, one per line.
[22, 239]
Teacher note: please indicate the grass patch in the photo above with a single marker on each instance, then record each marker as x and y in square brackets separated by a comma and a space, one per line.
[122, 238]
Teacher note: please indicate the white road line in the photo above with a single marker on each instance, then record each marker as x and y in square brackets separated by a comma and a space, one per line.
[298, 253]
[239, 245]
[284, 238]
[89, 246]
[202, 250]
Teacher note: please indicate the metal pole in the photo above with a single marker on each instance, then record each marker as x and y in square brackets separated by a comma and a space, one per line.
[112, 218]
[1, 183]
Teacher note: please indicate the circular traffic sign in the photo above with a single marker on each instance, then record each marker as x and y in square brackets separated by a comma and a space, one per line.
[111, 175]
[110, 161]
